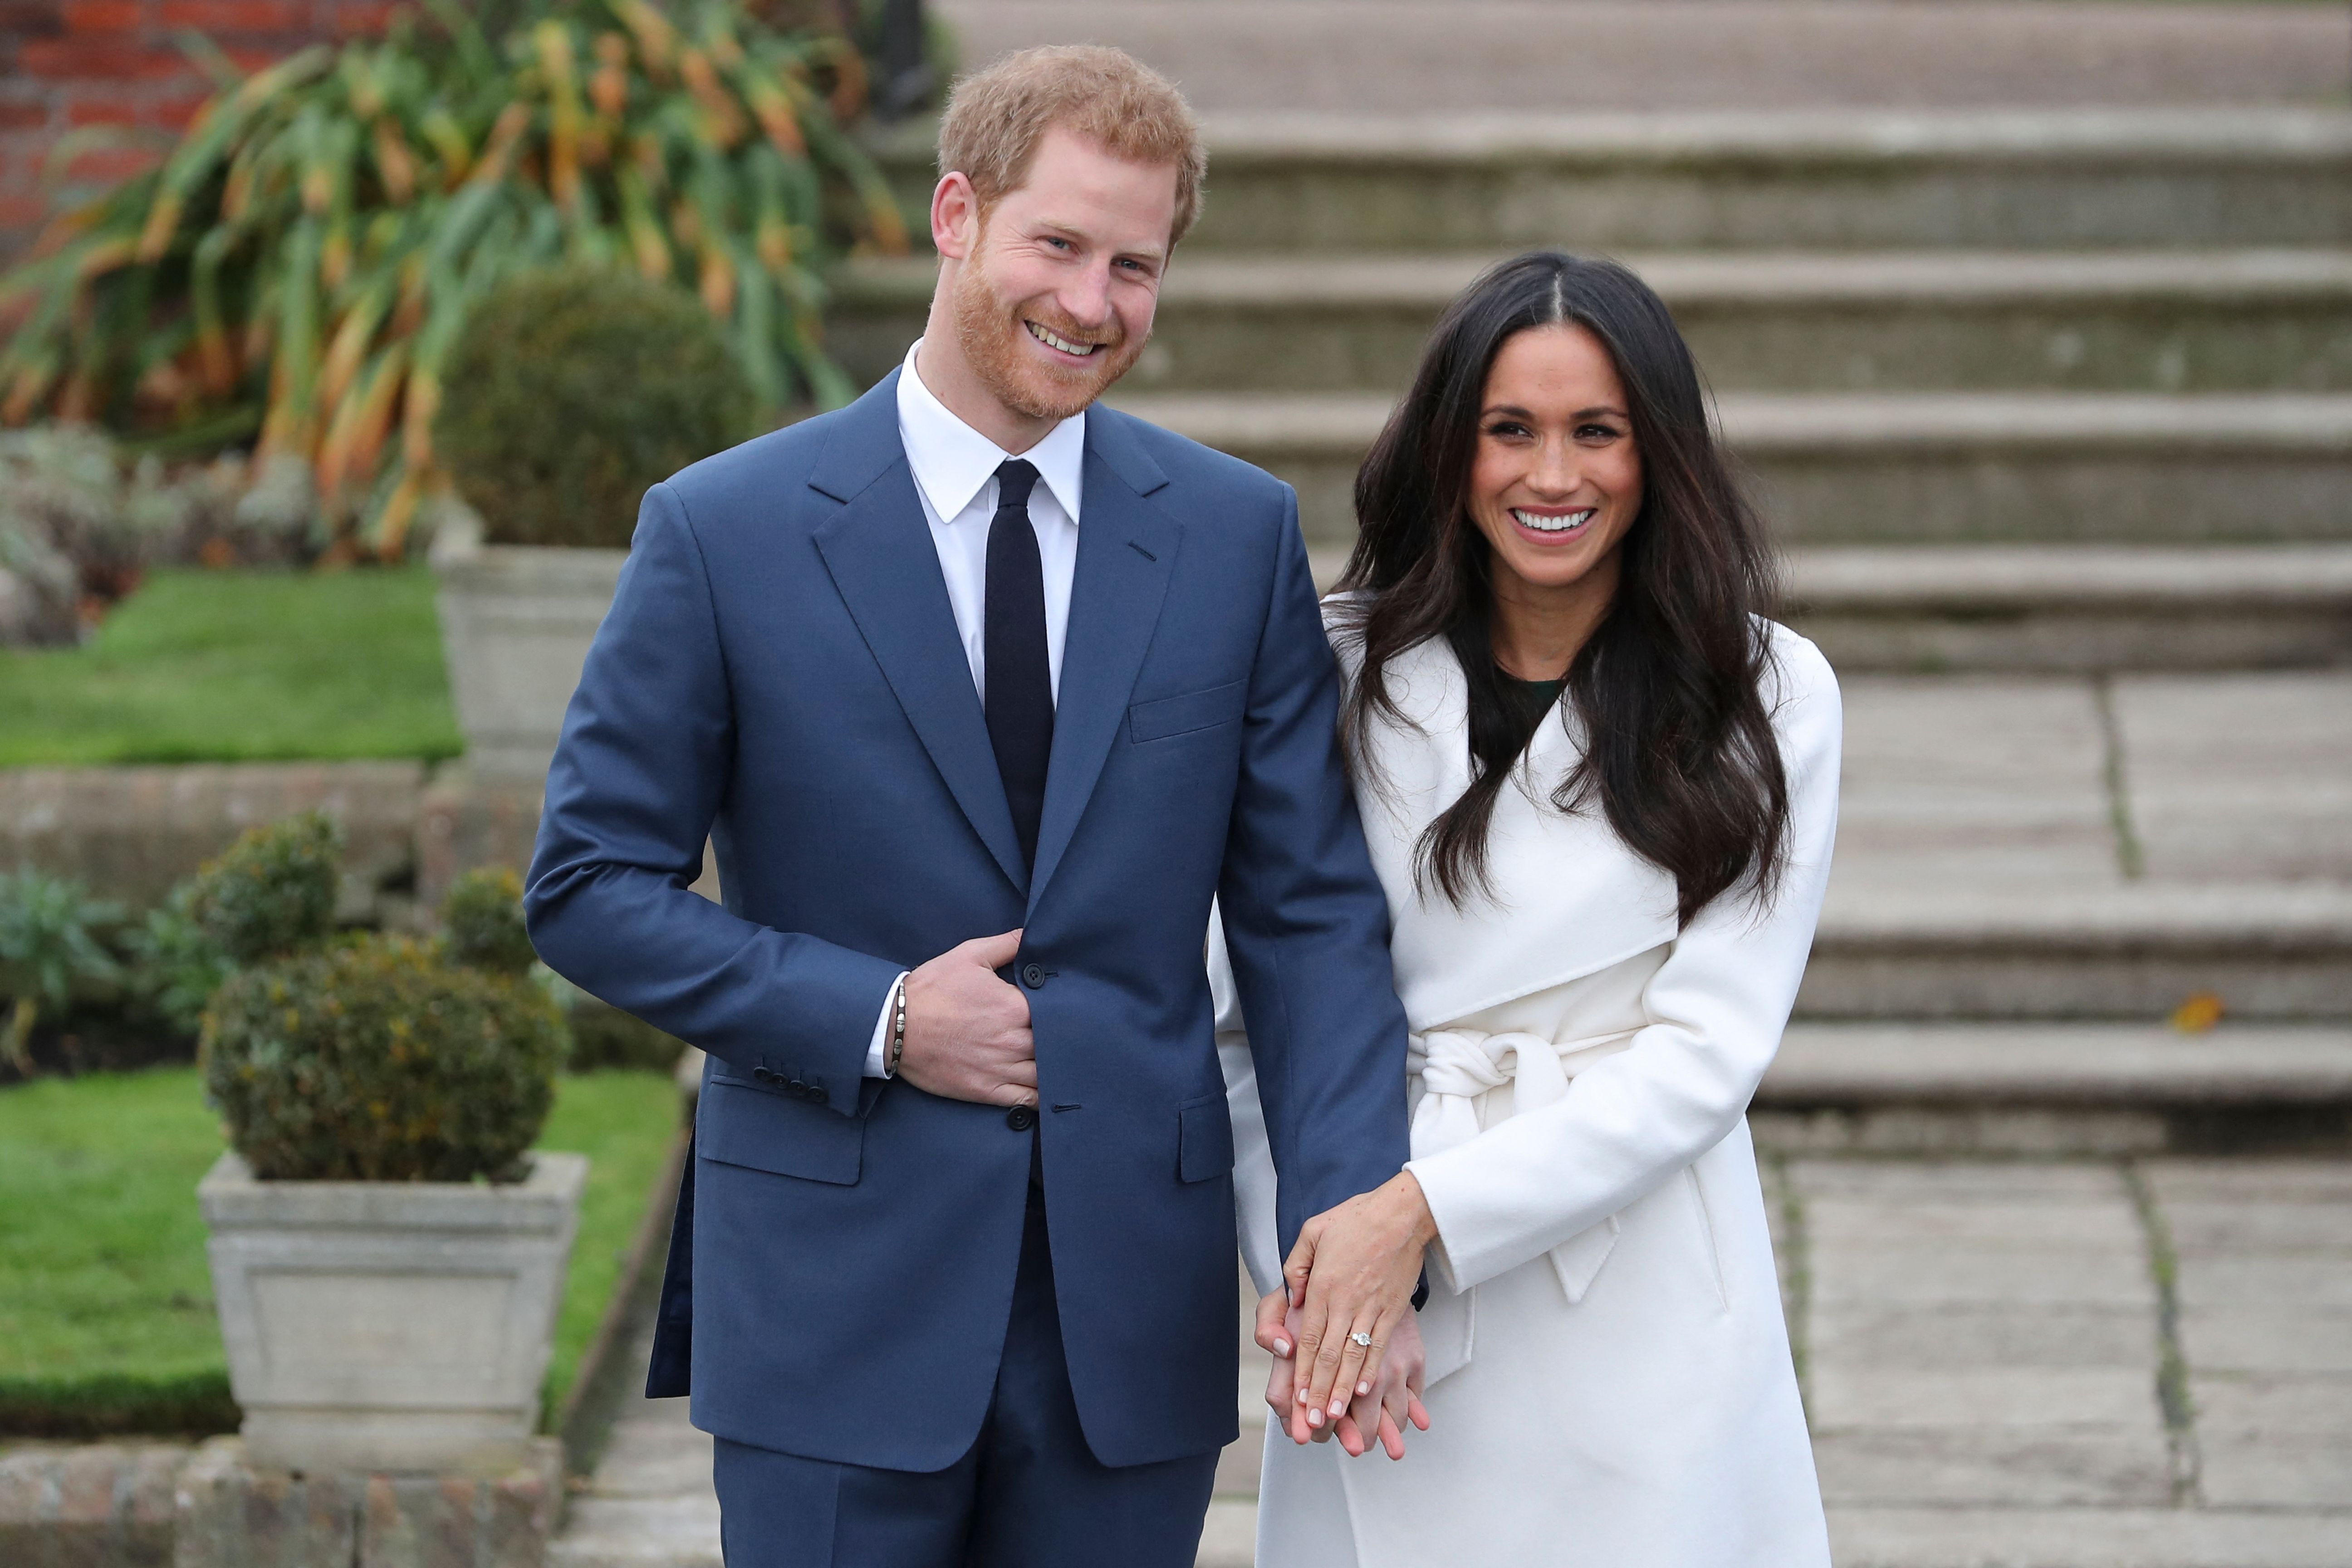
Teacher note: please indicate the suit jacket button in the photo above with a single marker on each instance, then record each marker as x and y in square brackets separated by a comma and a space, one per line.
[761, 1075]
[1021, 1118]
[1032, 975]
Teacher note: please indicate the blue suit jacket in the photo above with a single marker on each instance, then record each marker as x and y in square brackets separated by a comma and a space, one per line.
[781, 672]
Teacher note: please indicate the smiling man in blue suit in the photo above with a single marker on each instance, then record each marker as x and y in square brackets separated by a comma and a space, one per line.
[981, 692]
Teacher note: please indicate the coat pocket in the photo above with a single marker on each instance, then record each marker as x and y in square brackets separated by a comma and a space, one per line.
[1710, 1241]
[1204, 1139]
[743, 1124]
[1166, 716]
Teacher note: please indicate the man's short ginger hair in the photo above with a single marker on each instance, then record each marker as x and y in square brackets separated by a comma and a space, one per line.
[996, 117]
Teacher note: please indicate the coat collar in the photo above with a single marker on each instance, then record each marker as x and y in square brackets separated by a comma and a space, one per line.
[1126, 553]
[879, 548]
[1570, 898]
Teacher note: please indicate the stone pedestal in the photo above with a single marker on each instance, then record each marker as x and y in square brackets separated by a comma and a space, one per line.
[516, 623]
[390, 1325]
[232, 1513]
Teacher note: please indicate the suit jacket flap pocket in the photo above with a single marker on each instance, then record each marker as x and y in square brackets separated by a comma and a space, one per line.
[1166, 716]
[1204, 1139]
[742, 1123]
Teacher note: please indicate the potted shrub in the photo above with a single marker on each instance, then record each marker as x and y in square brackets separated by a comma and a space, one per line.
[387, 1254]
[575, 389]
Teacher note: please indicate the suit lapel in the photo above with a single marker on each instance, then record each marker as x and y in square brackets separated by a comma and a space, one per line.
[880, 551]
[1127, 548]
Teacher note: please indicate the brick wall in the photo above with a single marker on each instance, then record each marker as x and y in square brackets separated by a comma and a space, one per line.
[69, 63]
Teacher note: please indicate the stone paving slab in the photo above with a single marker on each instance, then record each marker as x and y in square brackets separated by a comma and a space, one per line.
[1417, 56]
[2240, 776]
[2006, 1537]
[1973, 780]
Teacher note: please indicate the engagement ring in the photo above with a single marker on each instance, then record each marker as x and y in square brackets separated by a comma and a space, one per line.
[1362, 1339]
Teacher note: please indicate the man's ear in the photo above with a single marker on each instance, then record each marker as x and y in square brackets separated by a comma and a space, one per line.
[955, 216]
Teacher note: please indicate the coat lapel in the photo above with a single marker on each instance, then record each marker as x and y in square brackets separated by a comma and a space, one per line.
[879, 548]
[1127, 548]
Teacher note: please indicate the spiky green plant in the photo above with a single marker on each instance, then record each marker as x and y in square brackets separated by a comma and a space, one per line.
[300, 266]
[48, 941]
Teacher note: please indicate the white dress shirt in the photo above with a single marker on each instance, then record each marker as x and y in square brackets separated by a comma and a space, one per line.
[955, 479]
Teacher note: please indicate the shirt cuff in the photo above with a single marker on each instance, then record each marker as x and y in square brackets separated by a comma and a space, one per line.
[877, 1054]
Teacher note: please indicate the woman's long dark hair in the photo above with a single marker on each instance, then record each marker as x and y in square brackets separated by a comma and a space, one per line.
[1680, 752]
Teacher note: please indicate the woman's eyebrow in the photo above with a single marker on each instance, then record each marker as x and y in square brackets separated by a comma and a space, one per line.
[1515, 412]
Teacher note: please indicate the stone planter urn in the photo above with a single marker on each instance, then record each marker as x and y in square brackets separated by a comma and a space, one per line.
[377, 1326]
[516, 623]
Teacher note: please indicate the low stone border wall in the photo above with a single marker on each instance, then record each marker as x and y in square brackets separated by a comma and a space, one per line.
[131, 832]
[103, 1505]
[165, 1505]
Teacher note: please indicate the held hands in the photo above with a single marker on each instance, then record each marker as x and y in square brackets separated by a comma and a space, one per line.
[968, 1032]
[1393, 1396]
[1353, 1272]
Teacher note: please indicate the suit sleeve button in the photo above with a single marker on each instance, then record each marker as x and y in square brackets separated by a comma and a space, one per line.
[1021, 1118]
[1032, 975]
[761, 1075]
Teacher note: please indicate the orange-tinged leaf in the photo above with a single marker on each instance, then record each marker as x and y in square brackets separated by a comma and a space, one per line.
[718, 282]
[395, 161]
[2199, 1013]
[162, 220]
[399, 512]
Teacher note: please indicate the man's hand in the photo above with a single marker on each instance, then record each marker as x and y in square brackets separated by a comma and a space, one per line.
[1352, 1273]
[967, 1031]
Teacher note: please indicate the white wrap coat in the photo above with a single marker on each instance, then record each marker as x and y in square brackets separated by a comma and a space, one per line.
[1610, 1380]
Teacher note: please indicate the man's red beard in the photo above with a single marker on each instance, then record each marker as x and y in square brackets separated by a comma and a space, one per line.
[990, 332]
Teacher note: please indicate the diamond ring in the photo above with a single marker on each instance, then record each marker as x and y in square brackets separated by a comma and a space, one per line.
[1361, 1338]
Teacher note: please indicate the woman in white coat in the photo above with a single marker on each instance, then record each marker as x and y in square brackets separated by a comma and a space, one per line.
[1601, 789]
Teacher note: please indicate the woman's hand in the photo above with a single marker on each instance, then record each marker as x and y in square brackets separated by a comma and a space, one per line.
[1352, 1273]
[1392, 1402]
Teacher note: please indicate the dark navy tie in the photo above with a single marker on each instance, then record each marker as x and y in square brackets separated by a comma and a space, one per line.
[1019, 680]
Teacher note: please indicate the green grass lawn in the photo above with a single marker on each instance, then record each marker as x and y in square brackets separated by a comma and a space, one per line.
[106, 1308]
[239, 667]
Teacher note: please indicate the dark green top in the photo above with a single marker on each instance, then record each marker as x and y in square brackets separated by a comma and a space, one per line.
[1535, 698]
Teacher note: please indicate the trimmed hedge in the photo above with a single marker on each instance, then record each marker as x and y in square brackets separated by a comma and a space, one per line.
[380, 1061]
[574, 390]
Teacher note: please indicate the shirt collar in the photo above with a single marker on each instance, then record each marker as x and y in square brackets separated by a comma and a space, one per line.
[952, 460]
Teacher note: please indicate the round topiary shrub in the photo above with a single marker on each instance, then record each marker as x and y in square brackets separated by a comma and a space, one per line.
[273, 890]
[482, 923]
[575, 389]
[380, 1061]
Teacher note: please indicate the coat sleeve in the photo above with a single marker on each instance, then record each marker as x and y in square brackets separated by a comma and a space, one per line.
[644, 761]
[1716, 1010]
[1306, 922]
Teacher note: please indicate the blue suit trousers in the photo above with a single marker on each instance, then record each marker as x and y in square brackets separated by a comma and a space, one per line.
[1028, 1494]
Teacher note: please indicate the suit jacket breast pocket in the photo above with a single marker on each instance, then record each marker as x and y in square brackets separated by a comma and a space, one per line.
[742, 1123]
[1166, 717]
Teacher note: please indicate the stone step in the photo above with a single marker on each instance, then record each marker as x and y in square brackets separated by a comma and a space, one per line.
[1780, 321]
[1338, 55]
[2052, 1088]
[2080, 608]
[1913, 468]
[2074, 607]
[1855, 179]
[1940, 949]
